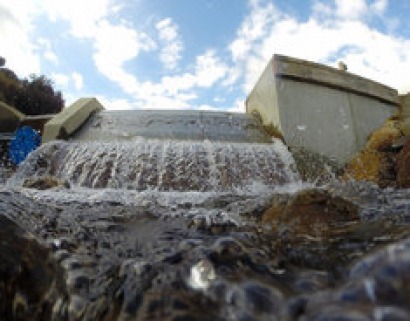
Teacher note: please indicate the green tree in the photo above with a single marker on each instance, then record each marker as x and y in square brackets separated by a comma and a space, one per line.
[9, 86]
[34, 95]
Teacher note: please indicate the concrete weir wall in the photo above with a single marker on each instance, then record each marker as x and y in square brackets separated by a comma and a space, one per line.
[405, 114]
[325, 110]
[114, 125]
[68, 121]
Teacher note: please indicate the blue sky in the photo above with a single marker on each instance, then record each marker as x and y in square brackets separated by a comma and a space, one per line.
[197, 54]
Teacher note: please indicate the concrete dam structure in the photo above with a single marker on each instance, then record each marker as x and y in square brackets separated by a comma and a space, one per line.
[324, 110]
[191, 215]
[158, 150]
[321, 109]
[87, 120]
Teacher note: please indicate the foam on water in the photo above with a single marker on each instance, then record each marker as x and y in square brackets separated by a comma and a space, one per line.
[162, 165]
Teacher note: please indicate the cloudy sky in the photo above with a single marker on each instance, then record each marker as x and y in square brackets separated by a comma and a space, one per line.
[197, 54]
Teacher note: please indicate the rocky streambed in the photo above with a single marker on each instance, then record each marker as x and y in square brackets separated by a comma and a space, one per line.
[341, 252]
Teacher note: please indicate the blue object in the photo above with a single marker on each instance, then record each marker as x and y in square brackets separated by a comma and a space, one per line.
[24, 141]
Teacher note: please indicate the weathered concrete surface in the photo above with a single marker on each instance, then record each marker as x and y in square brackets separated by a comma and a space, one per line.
[70, 119]
[405, 114]
[185, 125]
[10, 118]
[325, 110]
[405, 104]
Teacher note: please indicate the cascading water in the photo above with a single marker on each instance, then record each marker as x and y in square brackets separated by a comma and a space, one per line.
[161, 229]
[162, 165]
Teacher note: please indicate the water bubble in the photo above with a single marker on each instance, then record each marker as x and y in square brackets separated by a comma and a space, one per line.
[202, 274]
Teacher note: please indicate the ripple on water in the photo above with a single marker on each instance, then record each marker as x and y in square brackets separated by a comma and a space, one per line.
[205, 256]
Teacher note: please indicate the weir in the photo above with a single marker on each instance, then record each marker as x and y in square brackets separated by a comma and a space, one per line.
[158, 150]
[321, 109]
[163, 165]
[183, 215]
[172, 124]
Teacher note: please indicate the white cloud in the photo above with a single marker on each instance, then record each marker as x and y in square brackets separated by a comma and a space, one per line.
[16, 45]
[338, 32]
[173, 92]
[78, 80]
[114, 46]
[209, 69]
[380, 6]
[351, 9]
[66, 82]
[253, 28]
[238, 107]
[45, 48]
[83, 16]
[51, 56]
[115, 103]
[60, 80]
[171, 43]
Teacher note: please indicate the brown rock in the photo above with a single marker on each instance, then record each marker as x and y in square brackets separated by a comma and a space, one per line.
[313, 212]
[365, 166]
[383, 138]
[376, 162]
[403, 166]
[45, 182]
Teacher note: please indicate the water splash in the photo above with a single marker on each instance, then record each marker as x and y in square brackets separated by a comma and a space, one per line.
[202, 274]
[162, 165]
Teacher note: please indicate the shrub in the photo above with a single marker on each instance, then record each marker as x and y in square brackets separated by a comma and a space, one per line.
[34, 95]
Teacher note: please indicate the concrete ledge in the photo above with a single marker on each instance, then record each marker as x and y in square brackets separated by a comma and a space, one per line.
[310, 72]
[10, 118]
[327, 111]
[70, 119]
[116, 125]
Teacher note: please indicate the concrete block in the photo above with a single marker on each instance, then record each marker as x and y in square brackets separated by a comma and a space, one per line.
[322, 109]
[10, 118]
[405, 105]
[114, 125]
[70, 119]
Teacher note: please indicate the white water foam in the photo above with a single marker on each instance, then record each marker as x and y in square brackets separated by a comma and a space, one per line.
[163, 165]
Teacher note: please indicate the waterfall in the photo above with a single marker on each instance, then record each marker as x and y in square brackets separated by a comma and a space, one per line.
[163, 165]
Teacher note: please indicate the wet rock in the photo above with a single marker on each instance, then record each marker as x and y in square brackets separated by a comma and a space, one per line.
[376, 162]
[45, 182]
[29, 279]
[336, 313]
[313, 212]
[133, 265]
[314, 167]
[403, 166]
[383, 138]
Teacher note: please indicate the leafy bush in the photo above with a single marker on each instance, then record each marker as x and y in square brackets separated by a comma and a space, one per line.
[34, 95]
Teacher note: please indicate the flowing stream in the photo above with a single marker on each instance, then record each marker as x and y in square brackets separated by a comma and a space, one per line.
[160, 229]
